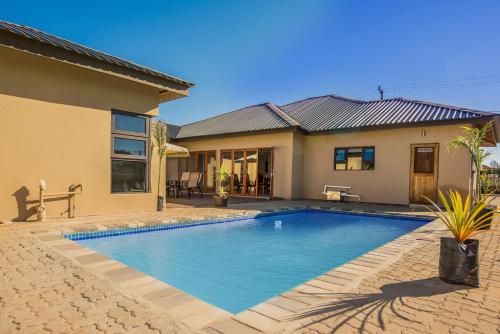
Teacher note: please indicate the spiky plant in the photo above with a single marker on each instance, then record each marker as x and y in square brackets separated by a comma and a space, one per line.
[472, 140]
[221, 178]
[160, 139]
[462, 218]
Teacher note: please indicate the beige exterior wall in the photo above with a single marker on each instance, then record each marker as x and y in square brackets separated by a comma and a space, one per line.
[303, 164]
[55, 124]
[298, 155]
[389, 182]
[282, 142]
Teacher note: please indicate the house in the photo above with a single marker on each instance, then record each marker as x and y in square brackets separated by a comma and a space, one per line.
[388, 151]
[76, 118]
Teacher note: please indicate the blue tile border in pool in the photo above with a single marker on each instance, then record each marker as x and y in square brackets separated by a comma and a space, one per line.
[210, 221]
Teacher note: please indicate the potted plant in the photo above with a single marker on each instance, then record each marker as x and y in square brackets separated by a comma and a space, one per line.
[160, 139]
[220, 200]
[472, 140]
[459, 255]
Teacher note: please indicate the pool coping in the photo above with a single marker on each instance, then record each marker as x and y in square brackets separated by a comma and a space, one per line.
[263, 317]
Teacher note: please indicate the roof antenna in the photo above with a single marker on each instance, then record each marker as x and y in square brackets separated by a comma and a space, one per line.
[381, 91]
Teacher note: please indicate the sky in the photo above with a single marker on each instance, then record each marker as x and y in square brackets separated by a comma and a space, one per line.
[241, 53]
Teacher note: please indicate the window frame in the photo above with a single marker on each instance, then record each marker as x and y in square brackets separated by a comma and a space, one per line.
[144, 136]
[129, 133]
[363, 148]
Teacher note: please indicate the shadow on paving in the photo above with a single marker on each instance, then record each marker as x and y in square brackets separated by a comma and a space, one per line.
[350, 305]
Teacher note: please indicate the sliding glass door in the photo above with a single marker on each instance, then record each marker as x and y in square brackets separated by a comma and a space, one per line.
[265, 172]
[249, 171]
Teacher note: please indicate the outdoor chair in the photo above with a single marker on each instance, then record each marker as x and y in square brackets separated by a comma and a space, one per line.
[193, 183]
[172, 186]
[338, 193]
[182, 184]
[236, 183]
[250, 184]
[200, 180]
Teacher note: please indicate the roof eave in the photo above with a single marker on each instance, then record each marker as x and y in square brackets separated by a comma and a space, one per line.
[168, 89]
[401, 125]
[236, 134]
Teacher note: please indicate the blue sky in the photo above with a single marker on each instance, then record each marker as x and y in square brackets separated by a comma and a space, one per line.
[241, 53]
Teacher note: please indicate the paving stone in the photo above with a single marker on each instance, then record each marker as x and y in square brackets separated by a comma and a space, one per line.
[290, 304]
[257, 320]
[231, 326]
[91, 258]
[43, 291]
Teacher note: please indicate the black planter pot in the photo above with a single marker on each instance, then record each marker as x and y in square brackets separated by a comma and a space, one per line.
[457, 265]
[159, 203]
[220, 201]
[489, 208]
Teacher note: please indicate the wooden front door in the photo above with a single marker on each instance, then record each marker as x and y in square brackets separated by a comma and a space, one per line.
[424, 172]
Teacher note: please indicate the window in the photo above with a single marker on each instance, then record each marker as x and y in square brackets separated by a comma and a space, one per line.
[129, 123]
[423, 161]
[129, 146]
[129, 153]
[128, 176]
[354, 158]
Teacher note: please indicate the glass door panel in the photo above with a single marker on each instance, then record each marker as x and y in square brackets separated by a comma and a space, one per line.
[265, 170]
[191, 164]
[251, 172]
[227, 162]
[182, 167]
[200, 167]
[210, 172]
[238, 172]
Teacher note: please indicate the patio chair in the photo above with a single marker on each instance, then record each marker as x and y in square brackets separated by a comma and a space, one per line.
[236, 183]
[200, 180]
[250, 184]
[193, 183]
[338, 193]
[172, 187]
[182, 184]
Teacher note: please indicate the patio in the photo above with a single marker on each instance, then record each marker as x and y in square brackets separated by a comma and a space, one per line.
[43, 291]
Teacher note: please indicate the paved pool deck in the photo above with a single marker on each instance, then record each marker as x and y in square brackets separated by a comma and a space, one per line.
[51, 284]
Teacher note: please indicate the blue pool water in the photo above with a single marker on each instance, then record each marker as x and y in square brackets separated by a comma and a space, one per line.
[235, 265]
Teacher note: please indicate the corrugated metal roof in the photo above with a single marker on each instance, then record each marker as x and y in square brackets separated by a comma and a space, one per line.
[328, 113]
[254, 118]
[40, 36]
[333, 112]
[172, 130]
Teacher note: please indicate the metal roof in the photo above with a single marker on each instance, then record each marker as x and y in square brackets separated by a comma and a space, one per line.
[255, 118]
[40, 36]
[333, 112]
[172, 130]
[329, 113]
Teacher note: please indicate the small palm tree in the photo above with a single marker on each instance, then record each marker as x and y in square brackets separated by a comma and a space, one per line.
[160, 139]
[463, 218]
[222, 178]
[472, 140]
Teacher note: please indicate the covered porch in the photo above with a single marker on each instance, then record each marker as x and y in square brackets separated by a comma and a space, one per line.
[249, 171]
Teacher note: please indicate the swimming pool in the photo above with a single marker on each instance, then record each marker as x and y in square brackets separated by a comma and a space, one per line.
[235, 265]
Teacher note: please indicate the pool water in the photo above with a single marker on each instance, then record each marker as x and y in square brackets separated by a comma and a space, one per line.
[238, 264]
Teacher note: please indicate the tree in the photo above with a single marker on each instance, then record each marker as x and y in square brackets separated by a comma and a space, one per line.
[160, 139]
[472, 140]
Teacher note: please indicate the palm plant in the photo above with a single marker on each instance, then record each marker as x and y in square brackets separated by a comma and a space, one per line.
[160, 139]
[459, 256]
[472, 140]
[464, 219]
[221, 178]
